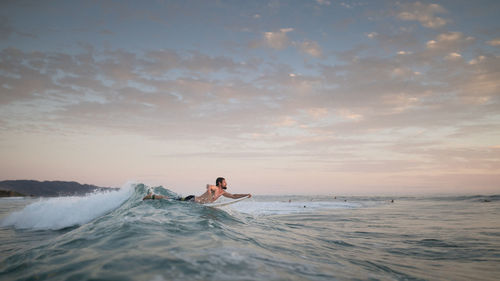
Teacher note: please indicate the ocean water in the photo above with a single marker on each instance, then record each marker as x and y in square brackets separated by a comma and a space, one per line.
[117, 236]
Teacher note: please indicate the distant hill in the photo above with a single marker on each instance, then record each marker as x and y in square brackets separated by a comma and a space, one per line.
[46, 188]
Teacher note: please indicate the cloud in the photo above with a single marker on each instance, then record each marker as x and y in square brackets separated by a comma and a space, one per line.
[479, 85]
[311, 48]
[449, 42]
[350, 5]
[349, 115]
[495, 42]
[323, 2]
[26, 81]
[404, 53]
[401, 91]
[453, 56]
[279, 40]
[458, 158]
[359, 106]
[391, 42]
[286, 121]
[317, 112]
[477, 60]
[276, 39]
[119, 92]
[423, 13]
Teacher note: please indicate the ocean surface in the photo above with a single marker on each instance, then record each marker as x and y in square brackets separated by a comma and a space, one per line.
[117, 236]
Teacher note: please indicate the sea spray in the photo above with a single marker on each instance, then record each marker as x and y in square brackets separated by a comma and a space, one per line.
[62, 212]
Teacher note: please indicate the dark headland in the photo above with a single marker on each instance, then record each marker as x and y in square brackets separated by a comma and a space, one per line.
[15, 188]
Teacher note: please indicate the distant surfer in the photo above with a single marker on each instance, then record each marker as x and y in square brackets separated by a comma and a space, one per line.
[213, 193]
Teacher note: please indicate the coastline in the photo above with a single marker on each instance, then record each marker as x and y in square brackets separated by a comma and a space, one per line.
[11, 193]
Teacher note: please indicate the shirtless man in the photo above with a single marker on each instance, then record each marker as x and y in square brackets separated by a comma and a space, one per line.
[213, 193]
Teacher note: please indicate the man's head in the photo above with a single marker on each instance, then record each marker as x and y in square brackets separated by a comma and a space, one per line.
[221, 182]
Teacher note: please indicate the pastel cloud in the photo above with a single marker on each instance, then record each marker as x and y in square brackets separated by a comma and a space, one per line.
[311, 48]
[423, 13]
[495, 42]
[449, 42]
[277, 39]
[453, 56]
[323, 2]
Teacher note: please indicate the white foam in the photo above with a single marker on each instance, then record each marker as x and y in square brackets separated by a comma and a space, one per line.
[11, 198]
[61, 212]
[282, 208]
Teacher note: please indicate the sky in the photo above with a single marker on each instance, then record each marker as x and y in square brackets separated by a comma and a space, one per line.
[279, 97]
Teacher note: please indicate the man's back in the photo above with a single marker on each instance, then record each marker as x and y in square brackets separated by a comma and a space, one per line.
[213, 193]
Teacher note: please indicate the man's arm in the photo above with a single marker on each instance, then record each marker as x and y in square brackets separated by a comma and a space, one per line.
[235, 196]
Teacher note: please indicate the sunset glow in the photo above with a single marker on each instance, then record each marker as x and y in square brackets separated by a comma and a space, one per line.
[279, 97]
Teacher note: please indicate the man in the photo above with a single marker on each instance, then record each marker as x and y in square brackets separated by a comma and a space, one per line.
[213, 193]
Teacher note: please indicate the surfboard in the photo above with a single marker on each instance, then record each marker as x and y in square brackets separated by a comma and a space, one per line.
[220, 204]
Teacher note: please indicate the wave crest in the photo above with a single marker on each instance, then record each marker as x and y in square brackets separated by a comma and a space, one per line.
[62, 212]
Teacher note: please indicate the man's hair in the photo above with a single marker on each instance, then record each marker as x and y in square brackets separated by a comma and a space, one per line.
[219, 181]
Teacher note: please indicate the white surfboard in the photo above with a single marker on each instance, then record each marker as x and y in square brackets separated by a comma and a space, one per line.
[220, 204]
